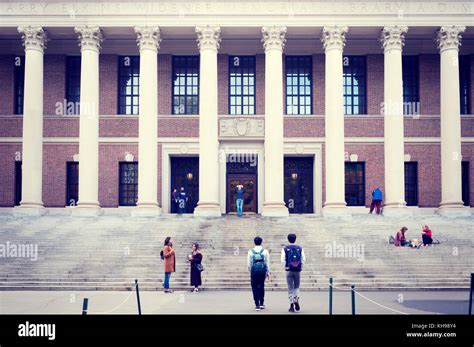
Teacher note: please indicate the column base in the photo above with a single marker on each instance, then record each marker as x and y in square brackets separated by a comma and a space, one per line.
[275, 209]
[147, 210]
[29, 210]
[86, 210]
[336, 211]
[453, 210]
[207, 209]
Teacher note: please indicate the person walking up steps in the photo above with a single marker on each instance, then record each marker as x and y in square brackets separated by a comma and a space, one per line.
[293, 257]
[258, 263]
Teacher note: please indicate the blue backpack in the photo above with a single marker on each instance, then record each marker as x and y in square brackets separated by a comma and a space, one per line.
[293, 258]
[258, 263]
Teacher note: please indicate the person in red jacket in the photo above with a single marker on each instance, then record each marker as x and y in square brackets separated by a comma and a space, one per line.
[426, 235]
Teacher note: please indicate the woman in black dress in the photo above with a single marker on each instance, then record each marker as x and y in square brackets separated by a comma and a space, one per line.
[196, 268]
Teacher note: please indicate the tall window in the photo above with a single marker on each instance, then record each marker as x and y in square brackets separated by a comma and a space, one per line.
[411, 183]
[129, 84]
[354, 75]
[128, 183]
[465, 183]
[19, 84]
[241, 85]
[411, 85]
[73, 83]
[298, 84]
[17, 183]
[185, 85]
[464, 83]
[72, 183]
[355, 183]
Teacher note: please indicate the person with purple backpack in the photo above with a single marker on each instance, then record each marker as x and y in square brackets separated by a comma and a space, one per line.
[293, 257]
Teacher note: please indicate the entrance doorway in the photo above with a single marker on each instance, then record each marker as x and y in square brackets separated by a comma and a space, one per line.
[299, 184]
[244, 173]
[185, 173]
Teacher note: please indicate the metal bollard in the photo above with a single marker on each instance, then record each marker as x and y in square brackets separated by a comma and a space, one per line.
[353, 301]
[138, 299]
[330, 295]
[85, 303]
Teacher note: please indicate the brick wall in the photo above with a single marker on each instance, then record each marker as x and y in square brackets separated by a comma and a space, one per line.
[318, 84]
[373, 156]
[223, 83]
[7, 85]
[164, 83]
[7, 178]
[109, 157]
[375, 83]
[429, 172]
[260, 84]
[429, 84]
[55, 157]
[54, 75]
[108, 84]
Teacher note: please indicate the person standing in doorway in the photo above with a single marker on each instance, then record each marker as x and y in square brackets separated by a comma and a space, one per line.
[169, 263]
[196, 267]
[293, 257]
[174, 201]
[239, 196]
[376, 200]
[182, 201]
[258, 263]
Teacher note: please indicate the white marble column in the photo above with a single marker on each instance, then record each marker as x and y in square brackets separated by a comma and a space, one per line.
[273, 42]
[34, 41]
[449, 40]
[90, 39]
[208, 39]
[333, 42]
[148, 39]
[392, 38]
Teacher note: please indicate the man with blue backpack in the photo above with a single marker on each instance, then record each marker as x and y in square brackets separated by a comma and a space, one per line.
[258, 263]
[293, 257]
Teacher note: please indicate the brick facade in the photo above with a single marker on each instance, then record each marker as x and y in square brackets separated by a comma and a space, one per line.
[113, 126]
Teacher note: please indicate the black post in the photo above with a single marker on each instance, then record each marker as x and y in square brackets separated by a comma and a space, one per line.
[470, 293]
[85, 303]
[353, 300]
[330, 295]
[138, 298]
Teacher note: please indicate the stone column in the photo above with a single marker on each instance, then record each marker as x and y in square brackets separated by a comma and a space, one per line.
[90, 39]
[148, 39]
[449, 40]
[333, 42]
[208, 39]
[392, 38]
[34, 41]
[273, 42]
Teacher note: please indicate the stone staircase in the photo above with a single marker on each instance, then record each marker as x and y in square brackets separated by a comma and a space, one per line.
[109, 252]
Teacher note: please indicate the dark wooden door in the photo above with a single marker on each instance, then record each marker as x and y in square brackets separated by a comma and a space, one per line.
[249, 181]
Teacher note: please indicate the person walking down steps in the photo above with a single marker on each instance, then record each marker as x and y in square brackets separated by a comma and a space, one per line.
[293, 257]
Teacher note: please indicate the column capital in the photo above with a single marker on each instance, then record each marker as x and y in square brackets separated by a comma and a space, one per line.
[33, 37]
[148, 37]
[208, 37]
[393, 37]
[449, 37]
[334, 37]
[273, 37]
[90, 37]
